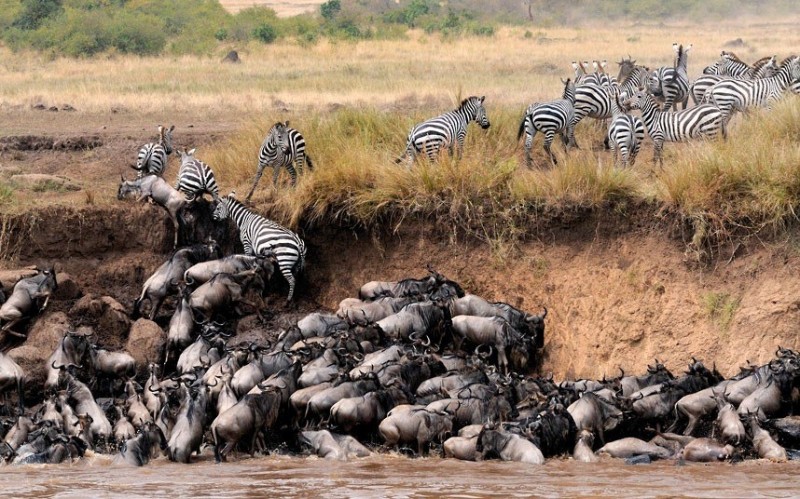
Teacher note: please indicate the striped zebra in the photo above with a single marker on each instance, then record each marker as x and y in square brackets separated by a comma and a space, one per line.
[596, 101]
[195, 178]
[549, 118]
[445, 131]
[625, 132]
[261, 235]
[730, 67]
[738, 95]
[704, 120]
[152, 158]
[672, 84]
[283, 147]
[795, 87]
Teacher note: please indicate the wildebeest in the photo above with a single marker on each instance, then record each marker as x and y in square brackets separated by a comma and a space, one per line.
[202, 272]
[71, 350]
[594, 414]
[630, 446]
[412, 424]
[223, 292]
[157, 189]
[407, 287]
[495, 332]
[764, 445]
[147, 444]
[187, 434]
[583, 448]
[705, 450]
[11, 376]
[252, 413]
[24, 302]
[165, 279]
[507, 446]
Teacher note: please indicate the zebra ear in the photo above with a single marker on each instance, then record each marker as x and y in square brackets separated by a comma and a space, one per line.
[688, 48]
[160, 128]
[171, 128]
[191, 152]
[286, 123]
[483, 97]
[232, 194]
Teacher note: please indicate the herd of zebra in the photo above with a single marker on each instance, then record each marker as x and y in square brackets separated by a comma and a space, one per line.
[726, 86]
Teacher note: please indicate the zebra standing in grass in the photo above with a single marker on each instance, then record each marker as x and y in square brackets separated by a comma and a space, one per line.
[731, 67]
[152, 158]
[672, 84]
[445, 131]
[260, 236]
[195, 178]
[704, 120]
[596, 101]
[625, 133]
[549, 118]
[283, 147]
[738, 95]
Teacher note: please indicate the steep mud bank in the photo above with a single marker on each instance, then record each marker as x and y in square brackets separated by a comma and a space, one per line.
[618, 294]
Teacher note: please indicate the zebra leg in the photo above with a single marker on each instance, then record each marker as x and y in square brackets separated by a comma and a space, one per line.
[275, 172]
[292, 174]
[528, 145]
[658, 146]
[613, 153]
[549, 135]
[259, 172]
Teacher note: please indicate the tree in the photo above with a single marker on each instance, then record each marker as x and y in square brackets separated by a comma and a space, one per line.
[34, 12]
[330, 9]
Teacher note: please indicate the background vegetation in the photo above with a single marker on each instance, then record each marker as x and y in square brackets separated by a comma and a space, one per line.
[81, 28]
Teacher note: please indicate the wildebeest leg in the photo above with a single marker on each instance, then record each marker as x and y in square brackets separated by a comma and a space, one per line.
[155, 306]
[690, 427]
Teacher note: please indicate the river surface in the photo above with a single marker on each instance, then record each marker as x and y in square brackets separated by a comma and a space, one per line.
[397, 476]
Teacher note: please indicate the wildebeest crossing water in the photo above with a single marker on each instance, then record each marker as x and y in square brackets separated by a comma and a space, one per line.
[387, 400]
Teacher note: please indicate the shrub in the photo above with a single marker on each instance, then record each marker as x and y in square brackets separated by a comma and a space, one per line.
[265, 33]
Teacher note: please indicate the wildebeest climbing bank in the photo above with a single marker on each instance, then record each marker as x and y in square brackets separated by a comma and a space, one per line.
[430, 286]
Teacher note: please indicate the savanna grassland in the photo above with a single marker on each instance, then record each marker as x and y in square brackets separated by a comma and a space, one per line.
[355, 102]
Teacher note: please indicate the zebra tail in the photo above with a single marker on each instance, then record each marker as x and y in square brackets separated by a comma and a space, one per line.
[521, 127]
[309, 162]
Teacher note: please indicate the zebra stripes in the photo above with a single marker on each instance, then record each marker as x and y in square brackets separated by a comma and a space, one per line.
[625, 133]
[672, 84]
[152, 157]
[195, 178]
[549, 118]
[704, 120]
[738, 95]
[445, 131]
[260, 235]
[730, 67]
[283, 147]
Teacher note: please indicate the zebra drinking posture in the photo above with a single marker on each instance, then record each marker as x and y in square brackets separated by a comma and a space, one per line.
[625, 133]
[445, 131]
[195, 178]
[549, 118]
[672, 84]
[152, 158]
[704, 120]
[260, 236]
[283, 147]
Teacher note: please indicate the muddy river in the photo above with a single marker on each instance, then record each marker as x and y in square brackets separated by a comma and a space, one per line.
[397, 476]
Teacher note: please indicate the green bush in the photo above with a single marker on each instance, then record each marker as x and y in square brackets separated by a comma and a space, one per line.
[265, 33]
[141, 35]
[35, 12]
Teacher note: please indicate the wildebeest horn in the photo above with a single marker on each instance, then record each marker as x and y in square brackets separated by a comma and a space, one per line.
[545, 312]
[150, 387]
[53, 365]
[428, 343]
[216, 382]
[484, 355]
[358, 356]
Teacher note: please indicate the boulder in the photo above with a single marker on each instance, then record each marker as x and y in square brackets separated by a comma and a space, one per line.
[43, 338]
[107, 315]
[146, 343]
[232, 57]
[67, 287]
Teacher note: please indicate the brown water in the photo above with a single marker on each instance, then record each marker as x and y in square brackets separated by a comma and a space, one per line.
[396, 476]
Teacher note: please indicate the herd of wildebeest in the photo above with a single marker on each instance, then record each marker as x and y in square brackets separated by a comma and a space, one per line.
[416, 366]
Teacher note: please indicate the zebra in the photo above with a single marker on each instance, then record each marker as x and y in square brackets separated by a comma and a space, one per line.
[672, 84]
[596, 101]
[261, 236]
[445, 131]
[152, 158]
[283, 147]
[730, 67]
[195, 178]
[703, 120]
[549, 118]
[625, 132]
[738, 95]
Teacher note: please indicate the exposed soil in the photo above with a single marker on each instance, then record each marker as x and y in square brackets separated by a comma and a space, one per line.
[619, 292]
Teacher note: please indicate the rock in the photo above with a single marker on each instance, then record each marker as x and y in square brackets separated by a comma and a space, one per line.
[232, 57]
[67, 287]
[44, 181]
[67, 107]
[43, 338]
[146, 343]
[10, 277]
[107, 315]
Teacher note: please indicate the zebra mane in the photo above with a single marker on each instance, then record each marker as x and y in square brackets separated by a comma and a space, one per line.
[787, 61]
[761, 62]
[467, 101]
[733, 57]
